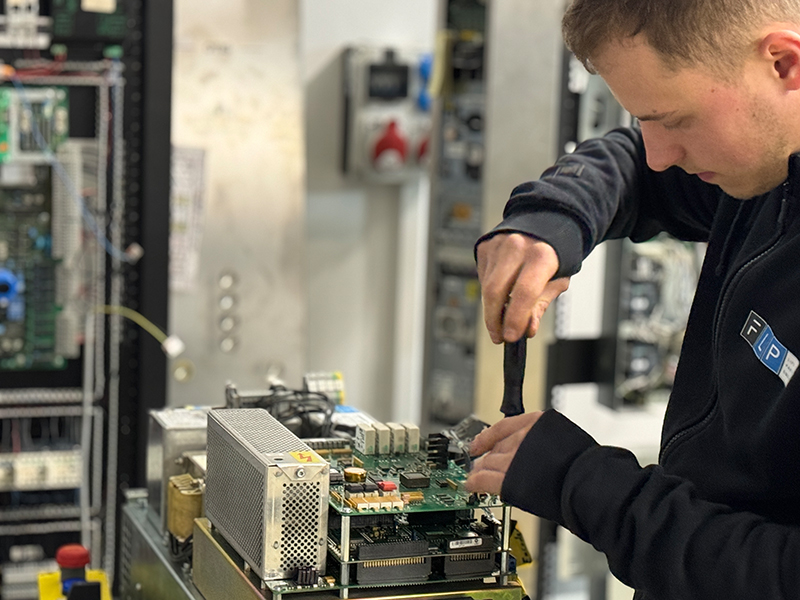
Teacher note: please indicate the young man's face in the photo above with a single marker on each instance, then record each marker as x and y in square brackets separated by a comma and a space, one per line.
[728, 134]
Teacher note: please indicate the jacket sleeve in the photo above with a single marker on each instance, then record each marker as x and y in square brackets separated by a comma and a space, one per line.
[605, 190]
[658, 535]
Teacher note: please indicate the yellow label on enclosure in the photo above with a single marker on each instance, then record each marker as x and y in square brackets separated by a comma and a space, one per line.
[306, 457]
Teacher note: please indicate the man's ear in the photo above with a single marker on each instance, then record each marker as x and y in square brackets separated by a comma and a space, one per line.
[782, 49]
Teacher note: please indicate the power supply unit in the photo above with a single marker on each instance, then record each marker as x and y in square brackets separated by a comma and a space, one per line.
[266, 492]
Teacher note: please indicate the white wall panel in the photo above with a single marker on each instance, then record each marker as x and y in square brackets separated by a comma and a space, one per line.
[237, 94]
[354, 232]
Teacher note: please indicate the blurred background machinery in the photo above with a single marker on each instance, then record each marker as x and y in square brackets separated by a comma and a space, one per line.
[453, 312]
[81, 186]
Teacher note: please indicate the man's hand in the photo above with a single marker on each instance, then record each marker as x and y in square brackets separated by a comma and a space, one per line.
[498, 444]
[515, 272]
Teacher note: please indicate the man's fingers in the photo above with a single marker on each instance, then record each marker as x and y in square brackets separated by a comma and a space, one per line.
[493, 461]
[514, 270]
[551, 291]
[499, 262]
[487, 439]
[529, 290]
[485, 482]
[489, 471]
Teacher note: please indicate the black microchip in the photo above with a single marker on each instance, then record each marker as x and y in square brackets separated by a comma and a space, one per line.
[354, 488]
[370, 487]
[414, 480]
[336, 478]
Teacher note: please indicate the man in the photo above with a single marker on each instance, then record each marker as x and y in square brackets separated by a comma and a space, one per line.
[715, 87]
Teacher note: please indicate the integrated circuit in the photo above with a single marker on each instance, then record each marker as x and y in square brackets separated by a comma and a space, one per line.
[415, 480]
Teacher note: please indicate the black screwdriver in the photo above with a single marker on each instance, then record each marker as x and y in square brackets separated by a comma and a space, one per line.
[513, 375]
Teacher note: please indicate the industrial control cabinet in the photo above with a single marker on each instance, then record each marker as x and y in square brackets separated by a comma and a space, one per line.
[84, 188]
[453, 312]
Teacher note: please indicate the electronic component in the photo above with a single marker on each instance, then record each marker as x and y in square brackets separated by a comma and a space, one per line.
[397, 438]
[383, 441]
[365, 439]
[412, 438]
[49, 263]
[45, 109]
[336, 477]
[43, 470]
[414, 480]
[173, 432]
[184, 505]
[266, 492]
[473, 563]
[355, 475]
[23, 27]
[307, 576]
[392, 549]
[325, 446]
[438, 450]
[27, 280]
[387, 486]
[353, 489]
[329, 384]
[401, 570]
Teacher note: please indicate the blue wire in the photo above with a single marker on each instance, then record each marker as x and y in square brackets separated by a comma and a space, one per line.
[88, 217]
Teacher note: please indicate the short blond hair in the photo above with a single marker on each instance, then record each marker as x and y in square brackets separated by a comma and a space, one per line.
[716, 34]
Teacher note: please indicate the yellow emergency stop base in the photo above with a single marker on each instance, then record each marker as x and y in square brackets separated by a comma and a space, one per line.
[50, 584]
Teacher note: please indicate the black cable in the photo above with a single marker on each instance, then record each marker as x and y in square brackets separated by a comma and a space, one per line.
[306, 414]
[180, 551]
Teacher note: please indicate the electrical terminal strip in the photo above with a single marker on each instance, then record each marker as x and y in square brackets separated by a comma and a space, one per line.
[45, 470]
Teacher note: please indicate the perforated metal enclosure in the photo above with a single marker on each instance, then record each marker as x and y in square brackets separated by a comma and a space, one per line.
[266, 492]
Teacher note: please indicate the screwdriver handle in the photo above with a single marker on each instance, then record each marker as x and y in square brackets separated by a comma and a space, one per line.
[513, 375]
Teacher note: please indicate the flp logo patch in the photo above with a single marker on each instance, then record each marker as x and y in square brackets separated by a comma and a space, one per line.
[768, 349]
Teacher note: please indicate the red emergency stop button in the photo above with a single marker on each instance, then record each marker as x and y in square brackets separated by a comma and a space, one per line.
[72, 556]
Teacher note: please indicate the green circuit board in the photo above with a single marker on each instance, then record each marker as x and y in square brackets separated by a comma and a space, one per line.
[445, 490]
[39, 114]
[28, 306]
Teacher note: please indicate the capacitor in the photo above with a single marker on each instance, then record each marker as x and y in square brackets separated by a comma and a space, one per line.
[355, 475]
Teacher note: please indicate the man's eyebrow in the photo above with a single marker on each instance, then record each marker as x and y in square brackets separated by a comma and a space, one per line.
[656, 116]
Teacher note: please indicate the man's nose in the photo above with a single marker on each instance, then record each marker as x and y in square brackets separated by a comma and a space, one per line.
[662, 150]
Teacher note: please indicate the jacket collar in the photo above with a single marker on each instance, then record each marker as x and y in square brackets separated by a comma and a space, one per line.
[793, 182]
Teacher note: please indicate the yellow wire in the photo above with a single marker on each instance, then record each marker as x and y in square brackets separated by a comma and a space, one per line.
[137, 318]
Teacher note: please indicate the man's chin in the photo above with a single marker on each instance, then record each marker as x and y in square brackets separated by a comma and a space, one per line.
[745, 192]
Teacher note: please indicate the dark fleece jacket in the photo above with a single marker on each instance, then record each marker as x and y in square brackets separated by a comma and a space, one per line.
[719, 516]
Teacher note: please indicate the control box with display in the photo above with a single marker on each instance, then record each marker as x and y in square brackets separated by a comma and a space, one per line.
[387, 119]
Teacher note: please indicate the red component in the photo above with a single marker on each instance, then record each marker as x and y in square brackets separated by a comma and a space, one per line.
[391, 140]
[387, 486]
[72, 556]
[422, 152]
